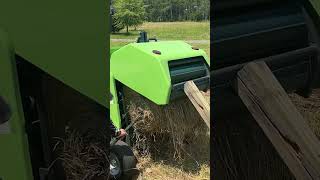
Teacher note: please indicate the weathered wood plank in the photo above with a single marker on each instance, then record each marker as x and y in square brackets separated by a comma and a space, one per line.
[198, 101]
[280, 120]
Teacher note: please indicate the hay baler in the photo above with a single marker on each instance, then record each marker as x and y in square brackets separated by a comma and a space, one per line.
[53, 68]
[155, 70]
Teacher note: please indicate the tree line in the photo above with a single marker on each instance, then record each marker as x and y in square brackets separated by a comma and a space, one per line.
[177, 10]
[126, 13]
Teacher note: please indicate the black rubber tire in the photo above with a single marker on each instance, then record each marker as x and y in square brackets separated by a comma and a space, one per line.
[127, 159]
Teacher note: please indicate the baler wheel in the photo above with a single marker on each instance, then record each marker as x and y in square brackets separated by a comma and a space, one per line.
[122, 161]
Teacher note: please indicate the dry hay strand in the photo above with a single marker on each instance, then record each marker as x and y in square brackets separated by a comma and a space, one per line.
[158, 170]
[84, 156]
[174, 131]
[310, 109]
[242, 151]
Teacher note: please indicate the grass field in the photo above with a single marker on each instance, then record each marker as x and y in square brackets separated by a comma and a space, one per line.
[195, 32]
[169, 31]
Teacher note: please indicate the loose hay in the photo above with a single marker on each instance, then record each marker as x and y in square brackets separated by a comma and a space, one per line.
[174, 131]
[84, 156]
[310, 109]
[242, 151]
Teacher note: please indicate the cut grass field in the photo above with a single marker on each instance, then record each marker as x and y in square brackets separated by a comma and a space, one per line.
[169, 31]
[160, 171]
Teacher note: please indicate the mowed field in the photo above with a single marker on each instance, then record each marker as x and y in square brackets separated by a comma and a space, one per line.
[194, 33]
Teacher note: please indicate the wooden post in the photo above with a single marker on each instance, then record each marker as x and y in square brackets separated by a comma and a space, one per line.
[280, 120]
[198, 101]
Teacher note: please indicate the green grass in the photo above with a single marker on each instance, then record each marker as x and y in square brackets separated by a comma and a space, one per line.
[113, 44]
[169, 31]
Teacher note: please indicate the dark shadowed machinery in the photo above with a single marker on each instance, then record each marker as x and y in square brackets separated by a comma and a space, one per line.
[284, 34]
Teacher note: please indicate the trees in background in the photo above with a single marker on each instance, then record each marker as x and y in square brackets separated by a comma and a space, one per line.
[116, 24]
[129, 13]
[133, 12]
[177, 10]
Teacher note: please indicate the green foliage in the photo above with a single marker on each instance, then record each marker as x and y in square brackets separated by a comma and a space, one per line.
[162, 10]
[116, 24]
[129, 12]
[177, 10]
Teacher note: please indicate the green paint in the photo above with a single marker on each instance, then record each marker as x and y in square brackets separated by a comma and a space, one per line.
[137, 67]
[14, 157]
[114, 106]
[316, 5]
[67, 39]
[114, 49]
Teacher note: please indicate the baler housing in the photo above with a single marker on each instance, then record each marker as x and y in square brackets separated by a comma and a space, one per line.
[157, 71]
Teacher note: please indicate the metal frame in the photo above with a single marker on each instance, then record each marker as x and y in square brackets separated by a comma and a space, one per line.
[15, 161]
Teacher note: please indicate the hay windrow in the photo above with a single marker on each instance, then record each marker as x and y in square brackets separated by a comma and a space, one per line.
[84, 156]
[174, 131]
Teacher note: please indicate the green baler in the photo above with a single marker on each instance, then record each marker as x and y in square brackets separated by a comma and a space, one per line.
[156, 71]
[49, 51]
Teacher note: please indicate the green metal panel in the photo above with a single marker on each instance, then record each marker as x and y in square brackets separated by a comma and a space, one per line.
[114, 105]
[68, 39]
[136, 66]
[114, 49]
[316, 5]
[14, 158]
